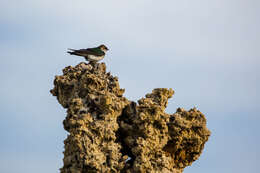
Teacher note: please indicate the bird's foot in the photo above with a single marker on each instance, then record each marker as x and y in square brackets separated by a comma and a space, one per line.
[94, 64]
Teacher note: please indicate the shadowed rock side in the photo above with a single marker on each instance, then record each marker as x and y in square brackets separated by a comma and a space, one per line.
[108, 133]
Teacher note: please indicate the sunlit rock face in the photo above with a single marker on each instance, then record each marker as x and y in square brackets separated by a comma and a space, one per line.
[109, 133]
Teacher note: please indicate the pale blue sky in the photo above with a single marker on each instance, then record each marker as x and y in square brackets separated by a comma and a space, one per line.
[207, 51]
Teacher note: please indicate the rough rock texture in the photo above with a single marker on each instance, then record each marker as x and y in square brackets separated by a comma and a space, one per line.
[108, 133]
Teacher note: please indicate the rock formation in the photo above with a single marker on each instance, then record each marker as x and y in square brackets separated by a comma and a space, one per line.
[109, 133]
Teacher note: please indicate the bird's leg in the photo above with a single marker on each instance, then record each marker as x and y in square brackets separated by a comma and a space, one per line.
[93, 64]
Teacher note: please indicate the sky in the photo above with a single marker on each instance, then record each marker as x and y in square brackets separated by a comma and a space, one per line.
[206, 51]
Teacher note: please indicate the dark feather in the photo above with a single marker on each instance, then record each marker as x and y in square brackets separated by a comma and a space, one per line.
[85, 52]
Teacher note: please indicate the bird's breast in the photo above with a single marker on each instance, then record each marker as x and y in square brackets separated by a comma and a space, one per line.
[95, 58]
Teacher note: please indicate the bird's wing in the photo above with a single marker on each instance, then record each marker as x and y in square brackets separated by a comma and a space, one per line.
[89, 51]
[96, 51]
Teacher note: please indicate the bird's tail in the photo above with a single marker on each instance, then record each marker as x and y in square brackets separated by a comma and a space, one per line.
[73, 51]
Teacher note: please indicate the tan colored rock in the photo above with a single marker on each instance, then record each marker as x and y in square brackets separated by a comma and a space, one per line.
[108, 133]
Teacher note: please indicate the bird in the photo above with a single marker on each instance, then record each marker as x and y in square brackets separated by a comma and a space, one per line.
[91, 54]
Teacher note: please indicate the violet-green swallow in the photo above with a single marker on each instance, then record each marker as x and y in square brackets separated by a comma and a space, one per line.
[91, 54]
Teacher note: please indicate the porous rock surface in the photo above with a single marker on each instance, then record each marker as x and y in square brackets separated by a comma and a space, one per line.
[109, 133]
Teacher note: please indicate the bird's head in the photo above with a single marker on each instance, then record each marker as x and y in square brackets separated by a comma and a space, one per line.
[103, 48]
